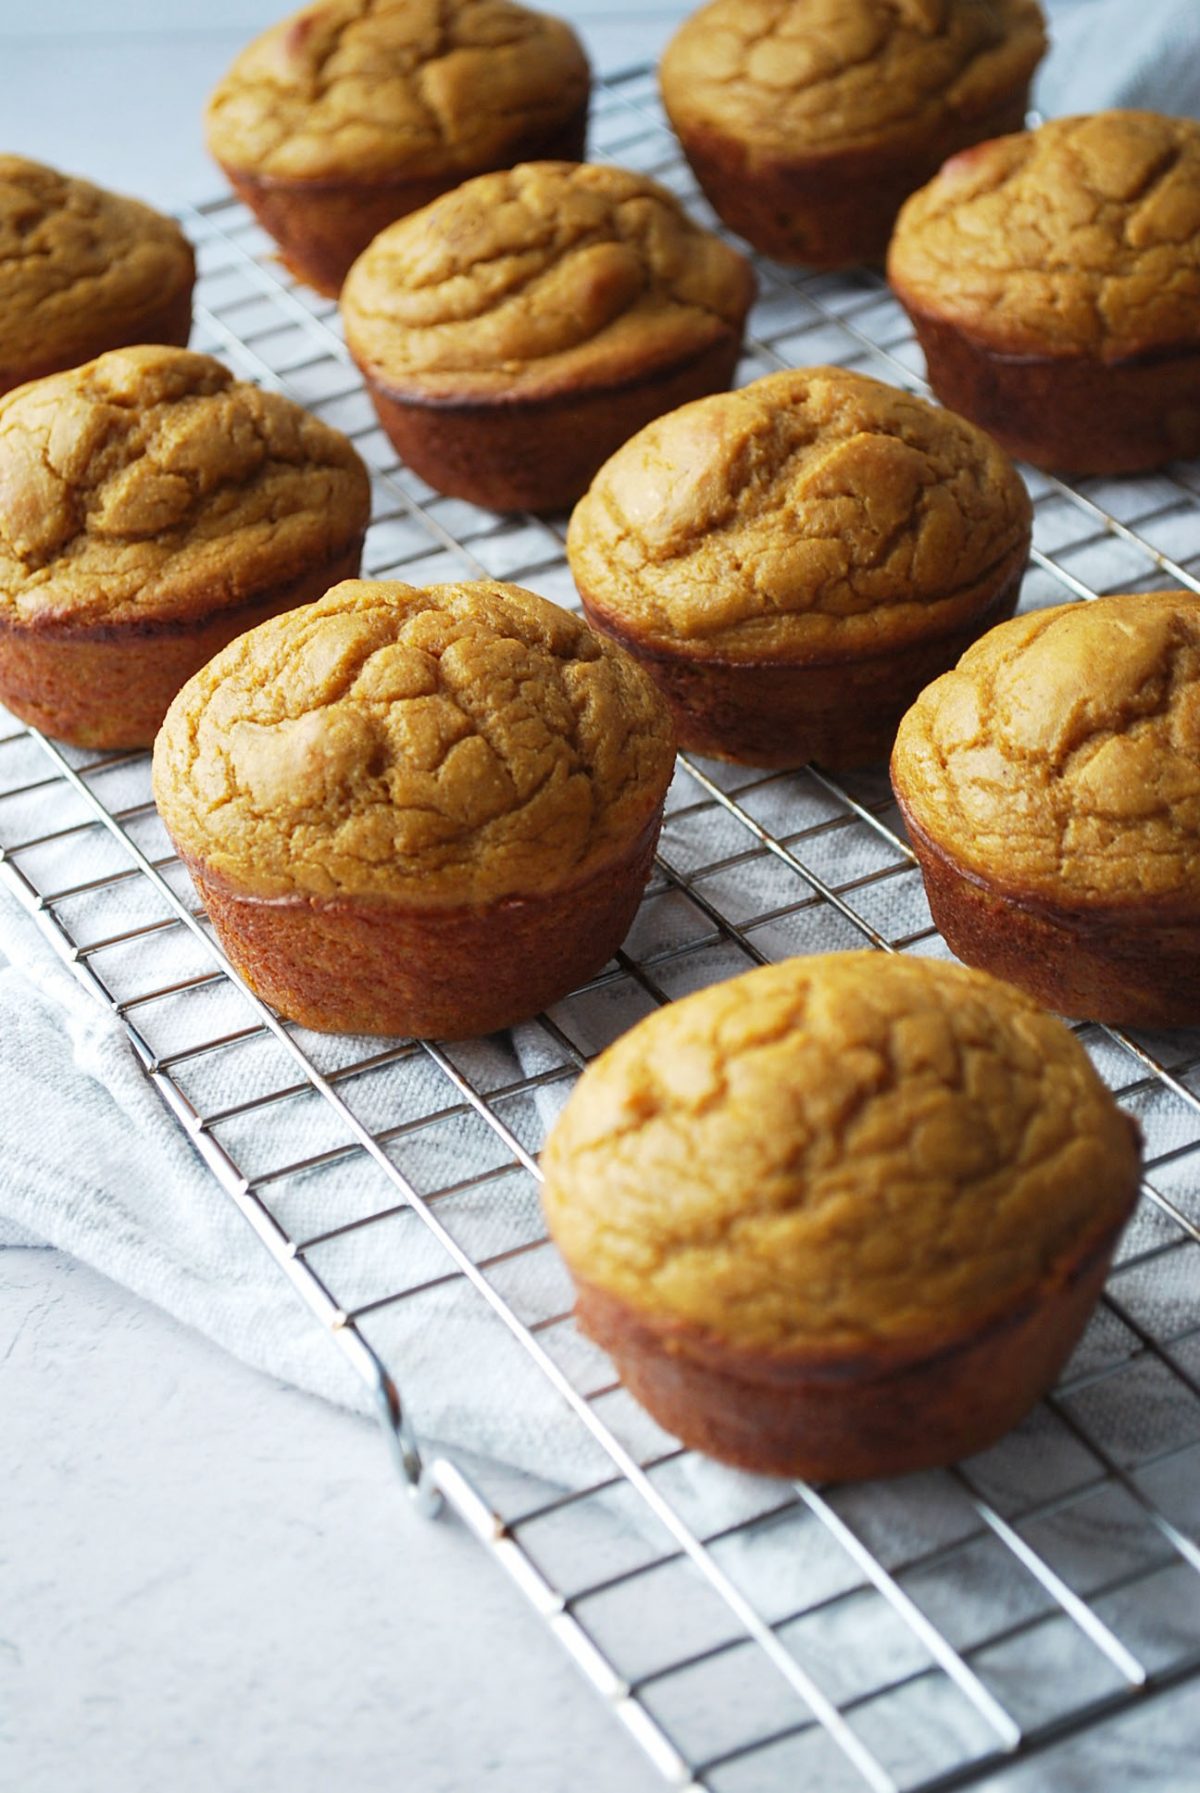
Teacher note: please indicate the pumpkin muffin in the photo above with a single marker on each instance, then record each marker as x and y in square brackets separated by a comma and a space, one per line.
[808, 122]
[792, 562]
[151, 508]
[417, 812]
[351, 113]
[82, 270]
[1053, 279]
[843, 1216]
[517, 331]
[1051, 788]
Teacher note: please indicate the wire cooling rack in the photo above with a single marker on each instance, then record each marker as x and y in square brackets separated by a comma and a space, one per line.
[752, 1635]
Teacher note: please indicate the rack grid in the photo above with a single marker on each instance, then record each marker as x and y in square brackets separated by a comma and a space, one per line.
[751, 1634]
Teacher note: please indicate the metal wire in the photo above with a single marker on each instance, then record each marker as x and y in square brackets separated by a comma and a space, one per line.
[902, 1647]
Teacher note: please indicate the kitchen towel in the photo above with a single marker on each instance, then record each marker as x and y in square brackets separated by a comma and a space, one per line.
[1121, 53]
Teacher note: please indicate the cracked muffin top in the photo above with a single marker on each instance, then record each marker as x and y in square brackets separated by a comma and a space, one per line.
[786, 76]
[815, 512]
[1061, 758]
[547, 277]
[78, 267]
[457, 745]
[150, 485]
[374, 89]
[836, 1152]
[1082, 237]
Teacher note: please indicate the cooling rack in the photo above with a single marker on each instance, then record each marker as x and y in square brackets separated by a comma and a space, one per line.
[752, 1635]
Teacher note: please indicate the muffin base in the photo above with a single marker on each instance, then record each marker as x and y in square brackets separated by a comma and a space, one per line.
[1074, 413]
[833, 210]
[777, 713]
[831, 1418]
[321, 227]
[169, 323]
[340, 966]
[538, 454]
[1132, 967]
[110, 686]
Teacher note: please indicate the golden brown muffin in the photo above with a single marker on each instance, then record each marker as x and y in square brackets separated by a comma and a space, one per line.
[1051, 788]
[792, 562]
[1054, 282]
[517, 331]
[808, 122]
[417, 812]
[82, 270]
[353, 112]
[844, 1216]
[151, 508]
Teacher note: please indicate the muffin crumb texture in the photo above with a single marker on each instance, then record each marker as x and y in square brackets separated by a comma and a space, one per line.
[1082, 237]
[813, 508]
[836, 1153]
[151, 484]
[441, 747]
[375, 88]
[1061, 757]
[549, 276]
[826, 75]
[78, 266]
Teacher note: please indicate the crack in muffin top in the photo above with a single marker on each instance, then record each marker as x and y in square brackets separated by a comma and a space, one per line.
[834, 1152]
[372, 89]
[1082, 237]
[1061, 758]
[78, 265]
[444, 747]
[149, 485]
[547, 276]
[822, 75]
[814, 511]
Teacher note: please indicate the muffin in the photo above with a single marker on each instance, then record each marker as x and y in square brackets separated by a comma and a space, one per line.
[517, 331]
[1051, 788]
[417, 812]
[81, 271]
[792, 562]
[151, 508]
[843, 1216]
[345, 116]
[808, 122]
[1053, 279]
